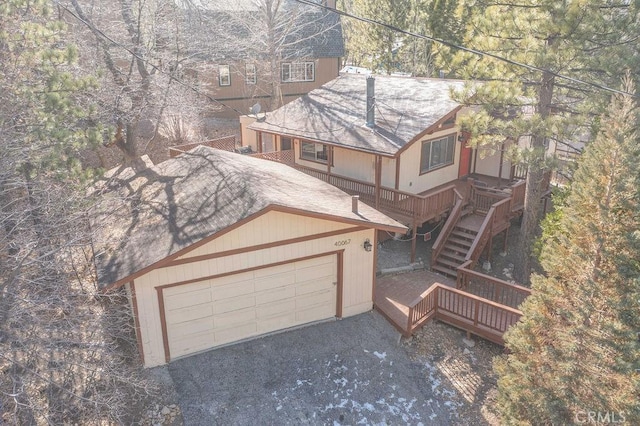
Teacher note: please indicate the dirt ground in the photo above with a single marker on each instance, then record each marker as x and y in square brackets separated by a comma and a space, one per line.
[466, 372]
[396, 253]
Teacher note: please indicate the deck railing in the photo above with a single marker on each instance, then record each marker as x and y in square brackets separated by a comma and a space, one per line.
[225, 143]
[490, 288]
[483, 198]
[419, 207]
[285, 157]
[496, 220]
[447, 228]
[422, 309]
[480, 316]
[517, 195]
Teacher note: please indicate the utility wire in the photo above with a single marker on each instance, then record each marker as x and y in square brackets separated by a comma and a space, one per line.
[342, 13]
[465, 49]
[146, 61]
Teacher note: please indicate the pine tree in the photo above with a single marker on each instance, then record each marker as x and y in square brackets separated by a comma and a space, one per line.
[576, 350]
[375, 46]
[588, 41]
[60, 345]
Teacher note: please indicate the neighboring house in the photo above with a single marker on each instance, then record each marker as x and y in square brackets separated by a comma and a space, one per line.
[247, 58]
[392, 140]
[215, 247]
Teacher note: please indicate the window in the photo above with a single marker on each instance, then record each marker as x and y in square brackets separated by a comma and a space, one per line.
[314, 152]
[437, 153]
[224, 75]
[250, 75]
[285, 143]
[298, 71]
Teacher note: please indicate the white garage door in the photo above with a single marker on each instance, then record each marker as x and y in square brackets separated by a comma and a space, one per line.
[210, 313]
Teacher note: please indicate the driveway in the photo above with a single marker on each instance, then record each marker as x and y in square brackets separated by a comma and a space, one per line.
[351, 371]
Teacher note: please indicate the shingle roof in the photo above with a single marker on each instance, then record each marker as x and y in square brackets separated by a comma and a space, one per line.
[151, 215]
[336, 112]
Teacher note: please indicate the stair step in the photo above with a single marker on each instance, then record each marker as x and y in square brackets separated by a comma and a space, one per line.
[468, 228]
[455, 249]
[464, 234]
[465, 243]
[447, 262]
[444, 271]
[453, 255]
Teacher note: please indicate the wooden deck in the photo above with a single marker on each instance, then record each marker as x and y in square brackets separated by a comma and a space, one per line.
[409, 300]
[395, 293]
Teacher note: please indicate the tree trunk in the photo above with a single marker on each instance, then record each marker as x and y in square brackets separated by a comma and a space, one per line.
[532, 213]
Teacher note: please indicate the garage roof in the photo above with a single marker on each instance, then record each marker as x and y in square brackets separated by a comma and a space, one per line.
[158, 213]
[335, 113]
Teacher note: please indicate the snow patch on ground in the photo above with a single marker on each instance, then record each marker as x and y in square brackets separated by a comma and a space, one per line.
[381, 356]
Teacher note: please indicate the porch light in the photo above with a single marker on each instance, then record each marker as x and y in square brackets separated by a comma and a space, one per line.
[461, 137]
[367, 245]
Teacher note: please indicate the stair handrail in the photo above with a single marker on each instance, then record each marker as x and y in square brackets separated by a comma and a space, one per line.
[482, 237]
[485, 232]
[447, 228]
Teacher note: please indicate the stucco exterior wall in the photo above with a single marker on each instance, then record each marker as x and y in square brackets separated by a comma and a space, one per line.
[410, 178]
[248, 137]
[272, 227]
[488, 163]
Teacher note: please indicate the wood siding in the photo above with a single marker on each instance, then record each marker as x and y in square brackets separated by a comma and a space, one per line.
[271, 227]
[242, 96]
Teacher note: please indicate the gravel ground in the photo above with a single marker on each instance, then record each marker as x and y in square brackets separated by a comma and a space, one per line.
[462, 371]
[397, 253]
[361, 375]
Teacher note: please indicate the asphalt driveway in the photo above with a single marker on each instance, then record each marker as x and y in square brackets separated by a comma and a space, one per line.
[351, 371]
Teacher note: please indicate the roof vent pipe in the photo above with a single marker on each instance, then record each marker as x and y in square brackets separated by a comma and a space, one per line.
[354, 203]
[371, 102]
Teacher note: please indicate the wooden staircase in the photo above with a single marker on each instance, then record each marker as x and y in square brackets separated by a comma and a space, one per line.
[472, 224]
[456, 247]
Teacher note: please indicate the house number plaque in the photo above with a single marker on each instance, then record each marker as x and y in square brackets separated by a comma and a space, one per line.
[342, 242]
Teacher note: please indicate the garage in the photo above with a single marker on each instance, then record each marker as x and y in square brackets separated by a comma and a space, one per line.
[213, 248]
[223, 310]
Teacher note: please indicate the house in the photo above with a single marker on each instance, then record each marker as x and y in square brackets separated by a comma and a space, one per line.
[394, 141]
[215, 247]
[258, 52]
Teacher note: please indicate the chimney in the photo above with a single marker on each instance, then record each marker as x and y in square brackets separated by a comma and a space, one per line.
[371, 102]
[354, 203]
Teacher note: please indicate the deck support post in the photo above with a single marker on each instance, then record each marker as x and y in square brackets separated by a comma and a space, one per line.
[490, 247]
[414, 240]
[378, 178]
[506, 236]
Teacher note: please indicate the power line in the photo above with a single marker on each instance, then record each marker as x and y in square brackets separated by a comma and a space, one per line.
[465, 49]
[146, 61]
